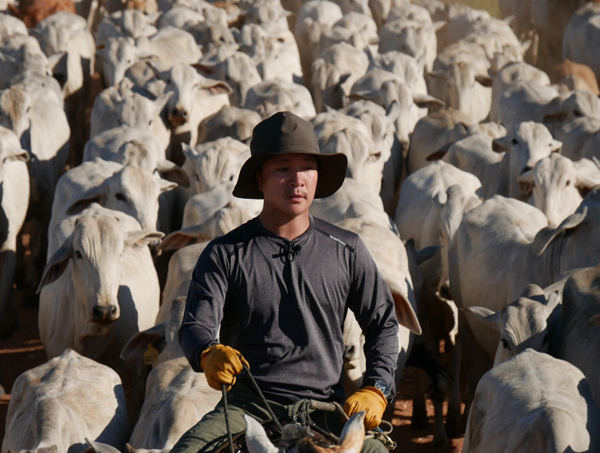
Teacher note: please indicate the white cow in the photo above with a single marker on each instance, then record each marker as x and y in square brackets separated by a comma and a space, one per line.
[91, 275]
[582, 30]
[531, 321]
[579, 323]
[314, 17]
[460, 79]
[437, 131]
[35, 112]
[533, 402]
[230, 121]
[212, 163]
[275, 53]
[354, 28]
[384, 138]
[556, 184]
[342, 133]
[499, 163]
[128, 189]
[270, 97]
[130, 22]
[432, 203]
[236, 68]
[14, 190]
[194, 98]
[524, 101]
[393, 94]
[516, 235]
[334, 73]
[58, 405]
[66, 35]
[217, 211]
[509, 76]
[104, 277]
[176, 398]
[116, 106]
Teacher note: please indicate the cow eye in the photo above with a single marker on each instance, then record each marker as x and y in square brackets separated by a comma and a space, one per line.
[119, 196]
[374, 157]
[505, 344]
[78, 254]
[568, 182]
[577, 113]
[545, 339]
[514, 142]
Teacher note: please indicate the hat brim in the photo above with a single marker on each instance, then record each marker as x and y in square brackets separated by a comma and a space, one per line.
[332, 172]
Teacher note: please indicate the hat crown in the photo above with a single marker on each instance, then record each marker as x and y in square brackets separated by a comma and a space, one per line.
[282, 133]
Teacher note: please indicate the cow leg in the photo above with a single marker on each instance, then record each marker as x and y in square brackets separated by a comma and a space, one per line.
[454, 413]
[419, 418]
[8, 309]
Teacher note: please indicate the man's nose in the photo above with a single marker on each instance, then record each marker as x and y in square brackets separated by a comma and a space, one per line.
[297, 178]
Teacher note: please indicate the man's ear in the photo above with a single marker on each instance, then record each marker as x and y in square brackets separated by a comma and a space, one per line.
[259, 179]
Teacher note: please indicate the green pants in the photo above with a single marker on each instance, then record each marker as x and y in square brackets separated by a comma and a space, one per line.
[210, 433]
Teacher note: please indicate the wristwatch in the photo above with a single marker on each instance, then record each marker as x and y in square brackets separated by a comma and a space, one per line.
[382, 386]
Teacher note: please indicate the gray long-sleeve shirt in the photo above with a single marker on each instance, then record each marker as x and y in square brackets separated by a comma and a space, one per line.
[282, 304]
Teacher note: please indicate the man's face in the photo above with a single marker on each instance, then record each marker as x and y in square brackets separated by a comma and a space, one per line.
[288, 183]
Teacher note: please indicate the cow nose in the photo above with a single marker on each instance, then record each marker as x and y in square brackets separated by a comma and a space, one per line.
[104, 313]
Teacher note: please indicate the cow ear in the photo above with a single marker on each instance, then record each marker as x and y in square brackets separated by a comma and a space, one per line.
[173, 172]
[588, 174]
[501, 144]
[189, 151]
[427, 101]
[427, 253]
[56, 265]
[220, 88]
[142, 238]
[186, 236]
[162, 100]
[485, 326]
[138, 344]
[547, 235]
[555, 146]
[18, 155]
[405, 314]
[166, 186]
[485, 80]
[256, 437]
[99, 447]
[526, 182]
[439, 154]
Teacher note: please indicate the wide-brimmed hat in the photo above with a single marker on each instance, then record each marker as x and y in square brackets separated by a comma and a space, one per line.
[286, 133]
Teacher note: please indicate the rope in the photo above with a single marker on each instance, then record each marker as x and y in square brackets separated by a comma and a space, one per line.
[301, 408]
[229, 435]
[264, 400]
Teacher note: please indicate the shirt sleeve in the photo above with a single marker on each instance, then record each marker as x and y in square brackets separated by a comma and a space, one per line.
[204, 306]
[371, 301]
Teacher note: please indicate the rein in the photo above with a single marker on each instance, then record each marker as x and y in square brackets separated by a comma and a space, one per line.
[301, 411]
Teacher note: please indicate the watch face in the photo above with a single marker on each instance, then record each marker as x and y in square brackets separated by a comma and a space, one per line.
[382, 387]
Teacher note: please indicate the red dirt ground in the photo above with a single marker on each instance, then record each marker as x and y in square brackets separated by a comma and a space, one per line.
[24, 351]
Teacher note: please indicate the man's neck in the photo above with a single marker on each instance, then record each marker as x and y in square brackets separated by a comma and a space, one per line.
[286, 228]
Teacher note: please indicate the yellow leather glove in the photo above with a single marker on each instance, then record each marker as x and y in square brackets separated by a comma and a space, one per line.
[370, 400]
[221, 364]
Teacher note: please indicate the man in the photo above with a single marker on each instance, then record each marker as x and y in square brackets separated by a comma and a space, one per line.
[279, 287]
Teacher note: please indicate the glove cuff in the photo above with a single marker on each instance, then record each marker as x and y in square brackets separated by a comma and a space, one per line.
[206, 353]
[379, 393]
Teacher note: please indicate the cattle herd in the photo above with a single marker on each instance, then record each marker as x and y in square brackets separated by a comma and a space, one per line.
[473, 145]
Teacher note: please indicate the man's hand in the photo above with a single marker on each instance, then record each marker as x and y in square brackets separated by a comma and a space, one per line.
[221, 364]
[370, 400]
